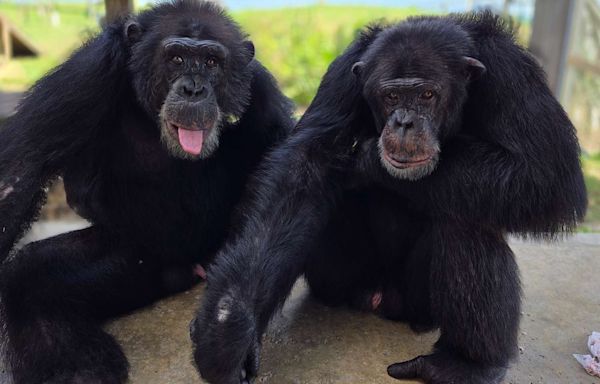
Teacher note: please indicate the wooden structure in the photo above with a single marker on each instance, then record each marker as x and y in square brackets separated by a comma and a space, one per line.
[566, 40]
[117, 8]
[12, 42]
[555, 24]
[550, 37]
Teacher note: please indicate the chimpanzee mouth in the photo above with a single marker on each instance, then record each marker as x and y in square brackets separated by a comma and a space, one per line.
[190, 138]
[190, 133]
[409, 168]
[405, 163]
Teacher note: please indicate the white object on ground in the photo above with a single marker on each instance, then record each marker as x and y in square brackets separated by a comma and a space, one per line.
[594, 344]
[591, 363]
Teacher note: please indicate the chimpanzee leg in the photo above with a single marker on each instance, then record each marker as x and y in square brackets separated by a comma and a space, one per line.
[344, 268]
[475, 297]
[56, 292]
[406, 292]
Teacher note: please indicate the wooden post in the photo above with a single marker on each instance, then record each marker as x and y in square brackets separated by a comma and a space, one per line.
[116, 8]
[550, 38]
[6, 41]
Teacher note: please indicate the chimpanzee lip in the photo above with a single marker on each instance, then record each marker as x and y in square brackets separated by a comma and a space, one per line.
[409, 163]
[174, 126]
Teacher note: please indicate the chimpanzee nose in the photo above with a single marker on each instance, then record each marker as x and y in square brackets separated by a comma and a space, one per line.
[405, 120]
[192, 89]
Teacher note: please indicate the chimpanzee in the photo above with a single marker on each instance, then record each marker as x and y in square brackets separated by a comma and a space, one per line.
[428, 142]
[154, 125]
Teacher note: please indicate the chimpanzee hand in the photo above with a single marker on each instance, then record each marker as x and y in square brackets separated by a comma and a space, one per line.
[226, 345]
[445, 368]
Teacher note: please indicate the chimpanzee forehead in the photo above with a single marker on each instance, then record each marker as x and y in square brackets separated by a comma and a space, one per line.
[202, 20]
[408, 82]
[418, 49]
[408, 71]
[200, 26]
[195, 45]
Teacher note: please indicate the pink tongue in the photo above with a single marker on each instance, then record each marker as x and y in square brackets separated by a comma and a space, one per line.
[191, 141]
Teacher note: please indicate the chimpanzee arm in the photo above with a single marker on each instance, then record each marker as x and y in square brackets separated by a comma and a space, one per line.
[266, 121]
[289, 204]
[515, 163]
[255, 272]
[61, 115]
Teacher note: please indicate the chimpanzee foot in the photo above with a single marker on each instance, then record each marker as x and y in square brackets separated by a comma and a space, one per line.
[89, 377]
[376, 300]
[445, 368]
[95, 360]
[200, 271]
[367, 301]
[177, 279]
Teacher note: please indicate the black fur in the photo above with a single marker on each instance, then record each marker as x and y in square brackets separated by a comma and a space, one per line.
[434, 247]
[95, 121]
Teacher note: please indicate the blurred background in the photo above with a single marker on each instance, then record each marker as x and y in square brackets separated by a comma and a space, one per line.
[297, 39]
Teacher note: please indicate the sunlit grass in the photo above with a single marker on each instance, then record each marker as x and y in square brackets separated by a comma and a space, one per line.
[297, 44]
[55, 42]
[591, 166]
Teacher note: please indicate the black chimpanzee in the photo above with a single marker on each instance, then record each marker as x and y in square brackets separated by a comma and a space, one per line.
[428, 141]
[154, 125]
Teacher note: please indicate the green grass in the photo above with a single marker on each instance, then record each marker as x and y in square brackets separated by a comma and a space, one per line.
[296, 44]
[591, 167]
[54, 42]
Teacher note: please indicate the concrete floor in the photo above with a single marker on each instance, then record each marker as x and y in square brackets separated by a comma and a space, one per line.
[8, 103]
[310, 343]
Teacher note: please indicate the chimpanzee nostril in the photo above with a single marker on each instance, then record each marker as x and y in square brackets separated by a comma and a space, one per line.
[200, 90]
[188, 90]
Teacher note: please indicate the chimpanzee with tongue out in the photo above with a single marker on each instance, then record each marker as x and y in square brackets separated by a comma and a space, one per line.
[154, 125]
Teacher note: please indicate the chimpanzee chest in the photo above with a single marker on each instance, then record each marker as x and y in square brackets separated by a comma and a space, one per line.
[177, 208]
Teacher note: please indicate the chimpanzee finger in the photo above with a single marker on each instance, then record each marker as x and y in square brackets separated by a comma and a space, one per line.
[252, 362]
[411, 369]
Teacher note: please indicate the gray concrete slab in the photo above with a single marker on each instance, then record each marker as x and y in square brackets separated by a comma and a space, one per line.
[310, 343]
[8, 103]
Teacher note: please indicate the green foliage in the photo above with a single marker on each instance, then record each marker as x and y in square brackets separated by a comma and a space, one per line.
[297, 44]
[54, 40]
[591, 167]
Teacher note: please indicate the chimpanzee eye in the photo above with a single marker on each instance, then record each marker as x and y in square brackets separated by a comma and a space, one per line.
[392, 97]
[427, 95]
[211, 62]
[177, 60]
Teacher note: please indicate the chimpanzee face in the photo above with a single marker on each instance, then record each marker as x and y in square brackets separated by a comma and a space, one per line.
[416, 100]
[194, 77]
[409, 143]
[191, 116]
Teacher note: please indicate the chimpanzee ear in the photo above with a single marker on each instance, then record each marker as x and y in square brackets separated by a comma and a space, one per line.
[475, 68]
[358, 67]
[249, 50]
[133, 31]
